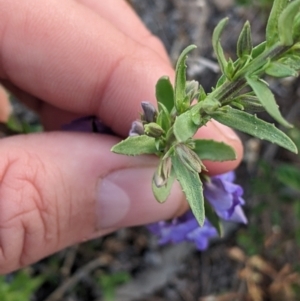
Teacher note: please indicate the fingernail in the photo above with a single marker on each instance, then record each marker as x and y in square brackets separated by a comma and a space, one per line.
[225, 131]
[112, 202]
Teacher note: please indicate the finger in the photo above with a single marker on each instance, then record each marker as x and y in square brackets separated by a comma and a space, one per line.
[5, 107]
[122, 16]
[58, 189]
[77, 61]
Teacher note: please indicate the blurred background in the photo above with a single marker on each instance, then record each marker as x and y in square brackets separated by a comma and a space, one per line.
[259, 262]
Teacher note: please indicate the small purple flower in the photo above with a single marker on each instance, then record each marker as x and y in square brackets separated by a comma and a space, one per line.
[137, 128]
[184, 228]
[226, 197]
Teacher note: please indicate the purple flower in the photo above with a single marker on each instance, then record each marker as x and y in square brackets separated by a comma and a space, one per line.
[226, 197]
[184, 228]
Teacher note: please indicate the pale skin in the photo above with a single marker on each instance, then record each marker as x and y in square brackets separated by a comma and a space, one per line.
[64, 59]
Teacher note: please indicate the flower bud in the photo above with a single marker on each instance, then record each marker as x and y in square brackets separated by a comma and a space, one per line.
[153, 130]
[137, 129]
[163, 172]
[189, 158]
[150, 112]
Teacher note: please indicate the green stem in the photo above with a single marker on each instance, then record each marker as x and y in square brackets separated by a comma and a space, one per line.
[231, 88]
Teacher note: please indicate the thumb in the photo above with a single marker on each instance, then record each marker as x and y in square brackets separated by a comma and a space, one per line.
[58, 189]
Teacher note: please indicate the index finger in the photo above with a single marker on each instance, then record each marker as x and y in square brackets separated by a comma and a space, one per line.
[65, 54]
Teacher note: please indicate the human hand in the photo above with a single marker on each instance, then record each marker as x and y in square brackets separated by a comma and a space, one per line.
[67, 59]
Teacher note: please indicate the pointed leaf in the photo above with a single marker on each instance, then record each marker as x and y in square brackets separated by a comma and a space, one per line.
[254, 126]
[286, 23]
[272, 27]
[213, 150]
[163, 118]
[165, 92]
[277, 69]
[213, 218]
[184, 126]
[296, 29]
[161, 193]
[259, 49]
[217, 44]
[202, 94]
[192, 187]
[267, 99]
[135, 145]
[180, 78]
[292, 61]
[244, 44]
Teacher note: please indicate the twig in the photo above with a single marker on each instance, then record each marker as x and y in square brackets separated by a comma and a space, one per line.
[72, 281]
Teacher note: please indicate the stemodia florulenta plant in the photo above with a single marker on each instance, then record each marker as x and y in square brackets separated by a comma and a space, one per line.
[168, 131]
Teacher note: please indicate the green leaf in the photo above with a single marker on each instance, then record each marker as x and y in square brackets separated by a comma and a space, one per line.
[213, 150]
[192, 187]
[259, 49]
[272, 27]
[161, 193]
[184, 126]
[221, 81]
[165, 92]
[291, 60]
[250, 103]
[267, 99]
[296, 28]
[135, 145]
[289, 175]
[163, 118]
[254, 126]
[286, 23]
[213, 218]
[180, 78]
[277, 69]
[202, 94]
[217, 44]
[192, 91]
[244, 44]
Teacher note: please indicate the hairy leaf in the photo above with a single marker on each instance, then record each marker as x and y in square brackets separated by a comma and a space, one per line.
[180, 78]
[217, 44]
[286, 23]
[165, 92]
[161, 193]
[272, 27]
[267, 99]
[213, 150]
[244, 44]
[135, 145]
[254, 126]
[163, 118]
[184, 127]
[192, 187]
[277, 69]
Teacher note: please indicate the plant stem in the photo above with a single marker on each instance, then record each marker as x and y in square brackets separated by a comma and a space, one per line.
[231, 88]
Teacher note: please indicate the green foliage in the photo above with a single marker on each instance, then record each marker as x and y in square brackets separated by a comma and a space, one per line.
[192, 187]
[21, 287]
[168, 132]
